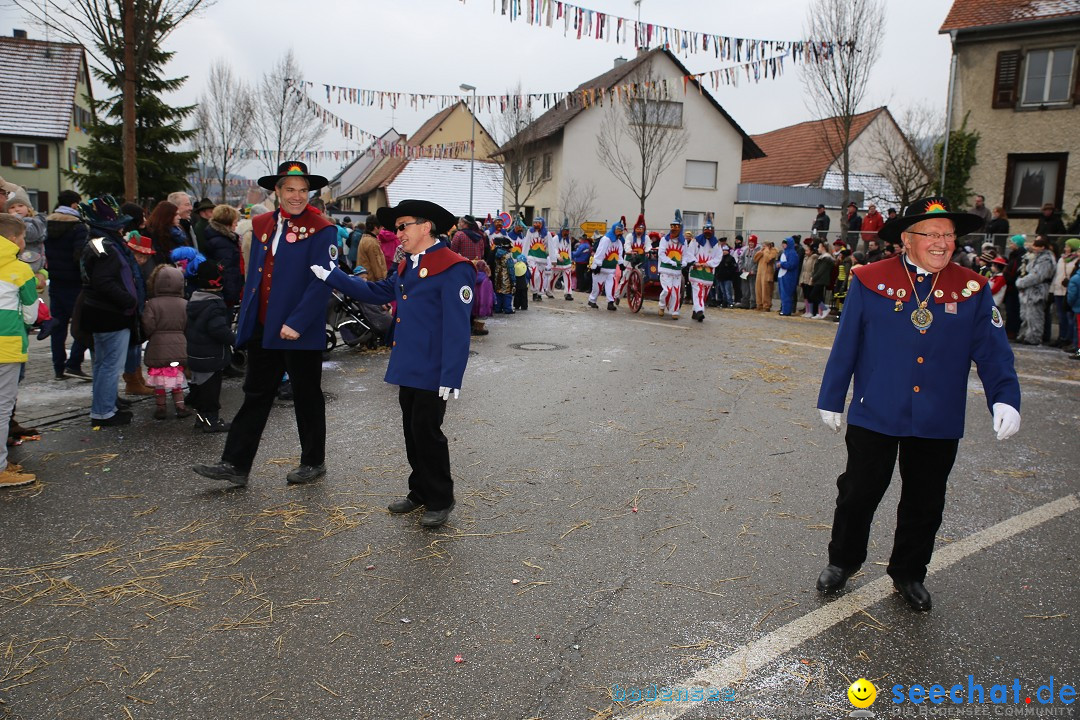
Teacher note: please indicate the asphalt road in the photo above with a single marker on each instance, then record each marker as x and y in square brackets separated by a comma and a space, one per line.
[640, 502]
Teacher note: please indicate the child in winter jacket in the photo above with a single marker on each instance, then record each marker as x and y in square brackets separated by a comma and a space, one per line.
[209, 342]
[18, 309]
[503, 277]
[163, 321]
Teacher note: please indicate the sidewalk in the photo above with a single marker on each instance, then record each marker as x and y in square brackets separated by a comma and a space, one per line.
[44, 401]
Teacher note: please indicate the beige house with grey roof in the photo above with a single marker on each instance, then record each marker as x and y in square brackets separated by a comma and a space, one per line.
[45, 108]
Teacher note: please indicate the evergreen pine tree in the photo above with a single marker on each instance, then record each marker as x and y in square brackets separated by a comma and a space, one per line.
[161, 168]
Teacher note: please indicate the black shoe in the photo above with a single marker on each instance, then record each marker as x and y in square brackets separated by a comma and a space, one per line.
[436, 518]
[536, 297]
[59, 376]
[914, 594]
[611, 306]
[402, 506]
[306, 474]
[834, 577]
[77, 373]
[122, 403]
[593, 305]
[211, 424]
[120, 417]
[285, 392]
[569, 297]
[222, 471]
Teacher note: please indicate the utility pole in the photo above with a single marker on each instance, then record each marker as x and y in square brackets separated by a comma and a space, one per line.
[472, 151]
[131, 176]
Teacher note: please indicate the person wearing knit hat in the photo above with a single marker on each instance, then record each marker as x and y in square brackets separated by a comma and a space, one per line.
[607, 256]
[637, 242]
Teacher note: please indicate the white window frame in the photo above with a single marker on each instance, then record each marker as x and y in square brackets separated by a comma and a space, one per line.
[686, 173]
[1042, 98]
[15, 162]
[546, 171]
[32, 196]
[693, 220]
[657, 113]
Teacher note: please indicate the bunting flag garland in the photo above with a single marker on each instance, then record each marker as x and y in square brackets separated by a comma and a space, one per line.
[580, 22]
[194, 180]
[755, 70]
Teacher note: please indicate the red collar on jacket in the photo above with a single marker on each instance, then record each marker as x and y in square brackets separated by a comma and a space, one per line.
[435, 260]
[888, 277]
[262, 226]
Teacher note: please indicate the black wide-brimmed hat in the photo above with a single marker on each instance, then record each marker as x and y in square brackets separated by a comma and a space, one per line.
[293, 168]
[204, 204]
[928, 209]
[442, 218]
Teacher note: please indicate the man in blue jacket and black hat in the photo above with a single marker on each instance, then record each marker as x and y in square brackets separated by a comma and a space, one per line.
[429, 346]
[282, 324]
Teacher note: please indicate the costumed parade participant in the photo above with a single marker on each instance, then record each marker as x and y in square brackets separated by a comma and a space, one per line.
[429, 345]
[789, 274]
[284, 330]
[911, 327]
[637, 243]
[670, 261]
[702, 255]
[564, 262]
[540, 257]
[607, 256]
[748, 274]
[517, 237]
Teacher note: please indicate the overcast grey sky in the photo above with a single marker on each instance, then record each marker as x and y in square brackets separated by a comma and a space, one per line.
[433, 46]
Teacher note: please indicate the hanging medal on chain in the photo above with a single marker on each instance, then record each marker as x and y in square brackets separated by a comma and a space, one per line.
[921, 317]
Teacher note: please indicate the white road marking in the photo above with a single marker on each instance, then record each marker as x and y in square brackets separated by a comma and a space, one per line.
[659, 323]
[752, 656]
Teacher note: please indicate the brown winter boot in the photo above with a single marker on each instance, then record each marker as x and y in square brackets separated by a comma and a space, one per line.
[135, 385]
[14, 476]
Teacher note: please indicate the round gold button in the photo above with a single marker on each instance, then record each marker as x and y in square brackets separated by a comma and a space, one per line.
[919, 360]
[916, 388]
[404, 297]
[399, 319]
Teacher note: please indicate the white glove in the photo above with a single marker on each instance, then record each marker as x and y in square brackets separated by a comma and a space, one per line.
[832, 419]
[320, 272]
[444, 392]
[1006, 420]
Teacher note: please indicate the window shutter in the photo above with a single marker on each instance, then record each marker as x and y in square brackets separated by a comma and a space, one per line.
[5, 154]
[43, 201]
[1076, 87]
[1006, 79]
[42, 156]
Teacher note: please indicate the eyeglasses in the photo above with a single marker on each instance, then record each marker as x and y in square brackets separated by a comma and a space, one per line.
[401, 226]
[935, 236]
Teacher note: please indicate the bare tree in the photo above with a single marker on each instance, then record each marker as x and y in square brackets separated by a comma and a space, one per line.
[224, 119]
[139, 27]
[837, 82]
[906, 153]
[642, 135]
[283, 125]
[576, 202]
[525, 166]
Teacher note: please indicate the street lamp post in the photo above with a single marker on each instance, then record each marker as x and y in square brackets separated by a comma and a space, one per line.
[472, 150]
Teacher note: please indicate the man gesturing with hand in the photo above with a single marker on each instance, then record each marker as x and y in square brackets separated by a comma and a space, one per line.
[429, 346]
[912, 326]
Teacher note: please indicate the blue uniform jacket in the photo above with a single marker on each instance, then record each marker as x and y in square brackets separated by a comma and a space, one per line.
[430, 334]
[910, 384]
[297, 298]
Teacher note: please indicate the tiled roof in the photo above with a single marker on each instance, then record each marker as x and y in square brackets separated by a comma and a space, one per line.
[38, 88]
[382, 176]
[446, 182]
[970, 14]
[799, 154]
[555, 119]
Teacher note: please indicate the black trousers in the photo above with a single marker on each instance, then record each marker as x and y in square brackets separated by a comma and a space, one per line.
[422, 413]
[205, 397]
[265, 369]
[925, 465]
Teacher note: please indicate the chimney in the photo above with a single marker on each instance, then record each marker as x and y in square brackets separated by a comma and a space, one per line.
[20, 34]
[619, 61]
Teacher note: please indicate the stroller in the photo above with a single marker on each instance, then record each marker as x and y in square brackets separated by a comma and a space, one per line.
[358, 324]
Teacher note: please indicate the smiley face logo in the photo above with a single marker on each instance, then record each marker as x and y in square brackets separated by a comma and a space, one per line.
[862, 693]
